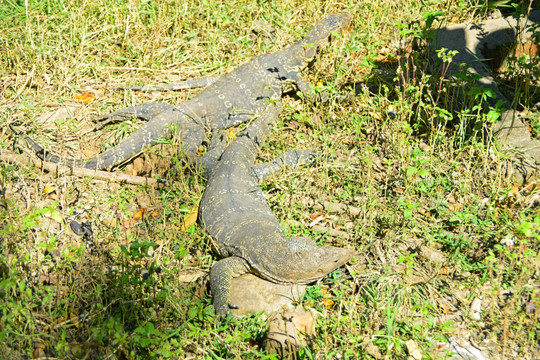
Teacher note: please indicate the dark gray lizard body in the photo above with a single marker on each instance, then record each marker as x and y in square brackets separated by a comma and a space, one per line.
[232, 99]
[247, 234]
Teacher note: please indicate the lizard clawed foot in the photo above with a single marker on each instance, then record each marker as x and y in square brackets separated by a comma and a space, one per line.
[224, 312]
[311, 157]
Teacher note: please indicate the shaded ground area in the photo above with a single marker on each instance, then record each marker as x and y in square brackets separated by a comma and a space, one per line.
[490, 44]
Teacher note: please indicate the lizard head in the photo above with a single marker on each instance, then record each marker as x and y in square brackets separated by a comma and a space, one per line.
[311, 263]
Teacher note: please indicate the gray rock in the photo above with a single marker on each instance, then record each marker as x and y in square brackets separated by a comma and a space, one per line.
[252, 295]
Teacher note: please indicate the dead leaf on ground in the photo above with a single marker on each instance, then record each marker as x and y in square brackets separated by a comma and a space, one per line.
[514, 190]
[88, 153]
[287, 333]
[58, 115]
[432, 254]
[373, 350]
[376, 115]
[139, 214]
[126, 224]
[413, 349]
[327, 298]
[48, 189]
[424, 147]
[381, 58]
[79, 349]
[138, 166]
[190, 219]
[39, 351]
[444, 271]
[190, 275]
[85, 97]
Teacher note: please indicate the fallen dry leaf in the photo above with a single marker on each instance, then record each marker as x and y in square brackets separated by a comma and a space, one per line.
[376, 115]
[63, 113]
[190, 219]
[39, 351]
[514, 190]
[88, 153]
[424, 212]
[424, 147]
[287, 332]
[190, 275]
[381, 58]
[138, 166]
[413, 349]
[444, 271]
[48, 189]
[326, 300]
[373, 350]
[139, 214]
[432, 254]
[85, 97]
[328, 303]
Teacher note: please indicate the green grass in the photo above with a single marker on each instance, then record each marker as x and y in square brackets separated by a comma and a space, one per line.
[438, 227]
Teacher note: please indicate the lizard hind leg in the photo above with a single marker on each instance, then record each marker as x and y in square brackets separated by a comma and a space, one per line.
[144, 112]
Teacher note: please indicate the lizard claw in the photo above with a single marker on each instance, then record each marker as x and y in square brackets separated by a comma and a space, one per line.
[223, 312]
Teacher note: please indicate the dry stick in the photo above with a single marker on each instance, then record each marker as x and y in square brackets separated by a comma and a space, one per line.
[82, 172]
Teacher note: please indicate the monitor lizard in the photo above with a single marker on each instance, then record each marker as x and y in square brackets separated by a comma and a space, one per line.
[244, 229]
[232, 99]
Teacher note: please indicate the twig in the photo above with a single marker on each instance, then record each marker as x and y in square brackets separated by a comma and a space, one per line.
[82, 172]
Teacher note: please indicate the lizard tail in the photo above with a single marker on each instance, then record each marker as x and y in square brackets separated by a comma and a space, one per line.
[322, 31]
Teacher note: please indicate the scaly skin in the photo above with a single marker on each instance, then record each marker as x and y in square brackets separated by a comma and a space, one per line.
[247, 234]
[234, 98]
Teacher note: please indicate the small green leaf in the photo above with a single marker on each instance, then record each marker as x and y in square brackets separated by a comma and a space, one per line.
[411, 170]
[55, 214]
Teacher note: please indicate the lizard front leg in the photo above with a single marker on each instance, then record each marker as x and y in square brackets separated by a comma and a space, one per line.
[217, 146]
[186, 84]
[288, 158]
[221, 276]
